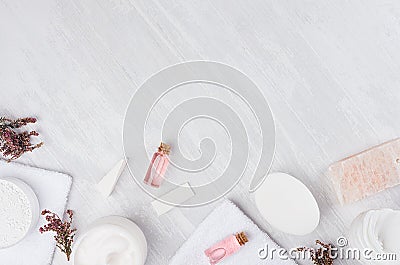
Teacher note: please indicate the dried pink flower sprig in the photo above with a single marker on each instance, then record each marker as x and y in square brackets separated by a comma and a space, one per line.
[321, 256]
[12, 143]
[65, 233]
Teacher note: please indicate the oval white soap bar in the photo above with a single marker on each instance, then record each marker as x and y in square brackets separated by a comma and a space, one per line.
[287, 204]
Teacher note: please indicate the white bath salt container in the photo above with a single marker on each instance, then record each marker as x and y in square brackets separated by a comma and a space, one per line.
[19, 211]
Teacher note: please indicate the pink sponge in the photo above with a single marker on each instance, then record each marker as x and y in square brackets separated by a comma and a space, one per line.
[367, 173]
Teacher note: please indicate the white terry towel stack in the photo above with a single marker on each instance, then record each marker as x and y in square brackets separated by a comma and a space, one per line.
[225, 220]
[52, 189]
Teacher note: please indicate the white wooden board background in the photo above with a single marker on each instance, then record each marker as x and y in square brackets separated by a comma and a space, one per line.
[329, 69]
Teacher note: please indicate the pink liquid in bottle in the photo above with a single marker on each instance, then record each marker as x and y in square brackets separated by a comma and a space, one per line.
[226, 247]
[158, 166]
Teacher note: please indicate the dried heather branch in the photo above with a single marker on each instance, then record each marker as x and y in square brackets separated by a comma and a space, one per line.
[64, 232]
[12, 143]
[321, 256]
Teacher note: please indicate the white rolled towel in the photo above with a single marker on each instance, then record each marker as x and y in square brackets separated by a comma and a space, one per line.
[52, 189]
[225, 220]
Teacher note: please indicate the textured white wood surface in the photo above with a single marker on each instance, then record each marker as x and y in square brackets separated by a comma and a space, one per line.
[329, 69]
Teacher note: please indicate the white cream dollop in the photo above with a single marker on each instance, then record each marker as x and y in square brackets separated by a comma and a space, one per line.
[378, 231]
[107, 244]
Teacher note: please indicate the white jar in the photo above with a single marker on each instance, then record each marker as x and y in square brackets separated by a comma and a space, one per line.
[19, 211]
[112, 240]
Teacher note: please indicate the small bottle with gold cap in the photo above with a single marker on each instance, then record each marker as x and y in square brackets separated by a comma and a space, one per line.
[158, 166]
[226, 247]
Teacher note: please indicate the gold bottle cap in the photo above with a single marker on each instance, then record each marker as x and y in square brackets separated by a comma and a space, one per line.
[164, 148]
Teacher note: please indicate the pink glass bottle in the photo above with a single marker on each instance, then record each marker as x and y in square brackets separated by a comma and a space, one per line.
[226, 247]
[158, 166]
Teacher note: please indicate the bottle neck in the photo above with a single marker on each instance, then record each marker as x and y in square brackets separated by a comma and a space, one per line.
[164, 148]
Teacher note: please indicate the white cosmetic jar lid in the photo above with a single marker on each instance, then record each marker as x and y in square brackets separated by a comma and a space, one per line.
[32, 213]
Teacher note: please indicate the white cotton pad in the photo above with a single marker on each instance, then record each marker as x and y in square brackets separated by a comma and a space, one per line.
[108, 182]
[287, 204]
[180, 195]
[377, 231]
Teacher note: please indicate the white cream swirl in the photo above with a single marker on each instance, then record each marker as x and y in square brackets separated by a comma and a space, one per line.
[107, 244]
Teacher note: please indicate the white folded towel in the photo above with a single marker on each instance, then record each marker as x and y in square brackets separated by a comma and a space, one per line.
[224, 221]
[52, 189]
